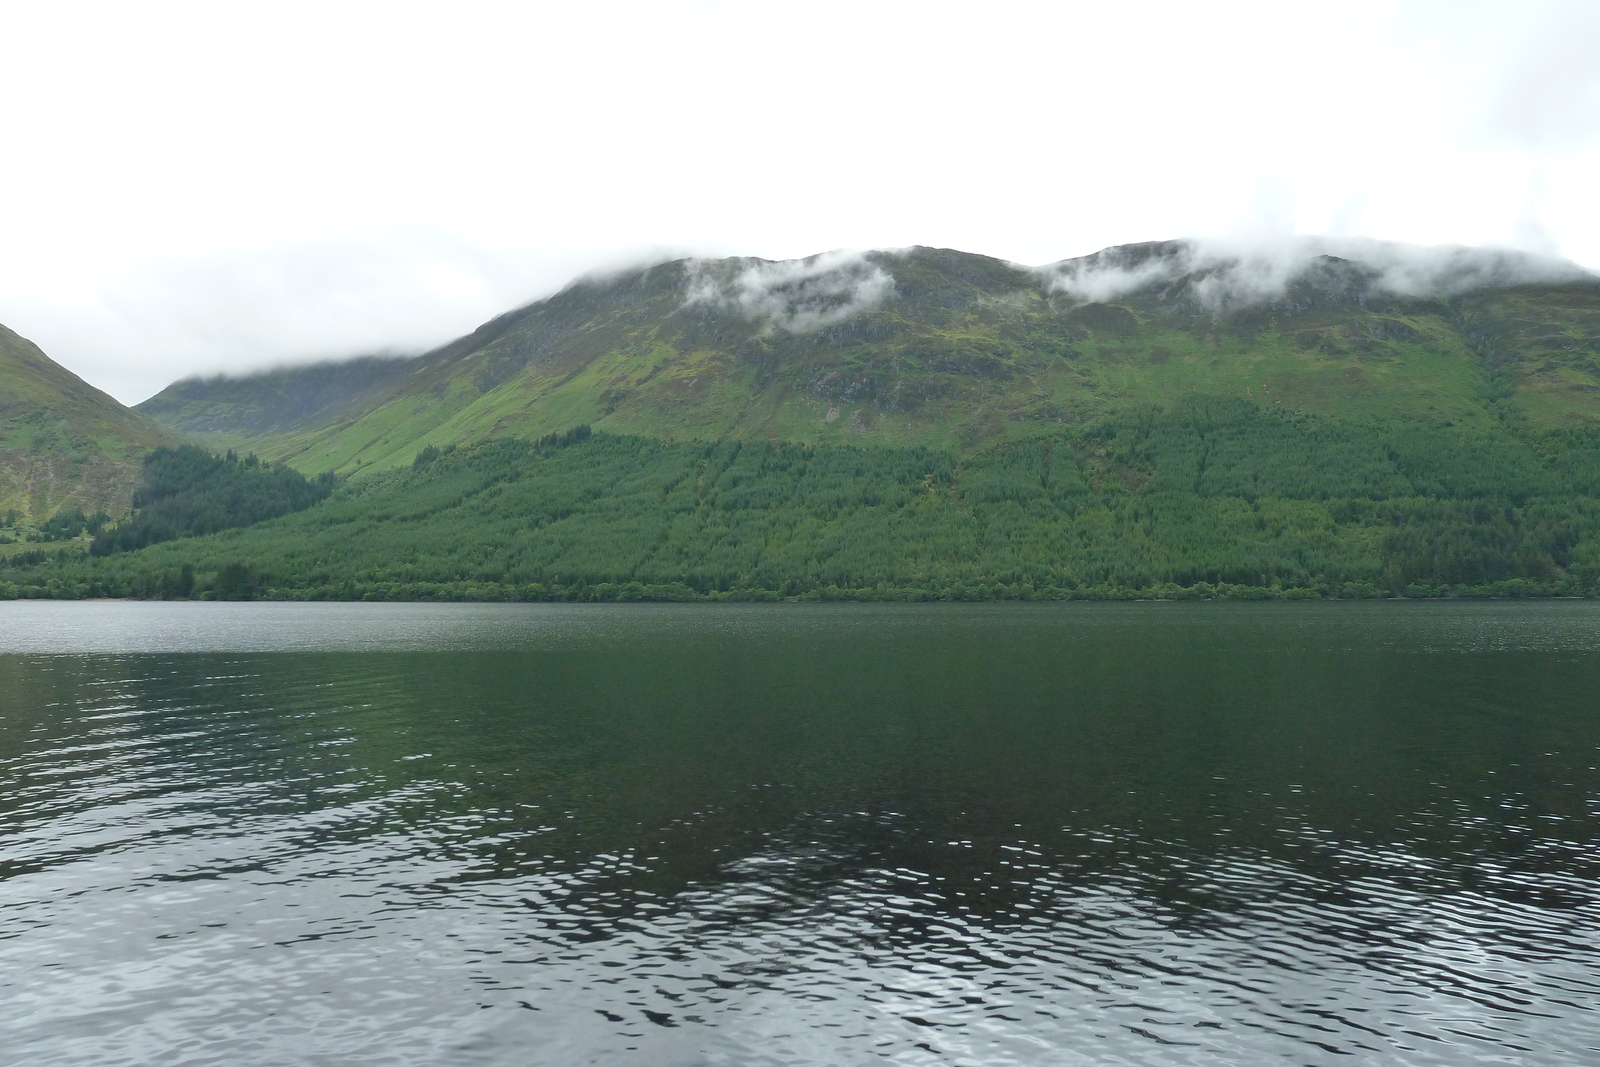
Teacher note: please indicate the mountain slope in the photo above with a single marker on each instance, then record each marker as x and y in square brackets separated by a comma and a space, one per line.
[937, 348]
[64, 443]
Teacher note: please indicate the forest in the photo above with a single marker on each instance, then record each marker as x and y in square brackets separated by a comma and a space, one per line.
[187, 491]
[1210, 497]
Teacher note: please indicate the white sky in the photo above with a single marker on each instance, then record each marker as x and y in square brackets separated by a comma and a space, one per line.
[221, 186]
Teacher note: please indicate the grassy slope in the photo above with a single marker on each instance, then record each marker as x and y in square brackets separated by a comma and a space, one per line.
[969, 351]
[64, 443]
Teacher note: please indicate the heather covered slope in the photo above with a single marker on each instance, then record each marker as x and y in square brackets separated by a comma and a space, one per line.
[953, 351]
[64, 443]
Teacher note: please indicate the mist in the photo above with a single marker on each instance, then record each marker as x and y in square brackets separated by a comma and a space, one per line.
[794, 296]
[1224, 275]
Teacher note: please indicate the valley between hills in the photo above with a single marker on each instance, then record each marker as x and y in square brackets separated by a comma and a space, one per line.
[1153, 420]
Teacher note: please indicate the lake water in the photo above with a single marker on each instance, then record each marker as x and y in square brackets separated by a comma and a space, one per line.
[254, 834]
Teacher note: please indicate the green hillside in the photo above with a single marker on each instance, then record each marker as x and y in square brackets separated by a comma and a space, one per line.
[63, 443]
[1153, 420]
[945, 350]
[1211, 496]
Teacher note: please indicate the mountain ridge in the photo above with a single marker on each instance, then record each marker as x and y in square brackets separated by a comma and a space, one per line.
[954, 350]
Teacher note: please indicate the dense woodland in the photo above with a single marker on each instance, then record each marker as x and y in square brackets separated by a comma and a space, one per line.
[1210, 497]
[187, 491]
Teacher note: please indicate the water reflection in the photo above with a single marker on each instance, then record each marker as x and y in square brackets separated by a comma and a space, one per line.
[1161, 834]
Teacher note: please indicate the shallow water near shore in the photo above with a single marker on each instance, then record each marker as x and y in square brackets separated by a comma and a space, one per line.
[799, 834]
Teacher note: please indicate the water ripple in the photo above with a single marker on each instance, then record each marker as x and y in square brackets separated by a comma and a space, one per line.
[250, 859]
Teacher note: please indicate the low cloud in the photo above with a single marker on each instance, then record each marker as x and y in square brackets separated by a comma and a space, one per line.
[1447, 270]
[792, 296]
[1222, 276]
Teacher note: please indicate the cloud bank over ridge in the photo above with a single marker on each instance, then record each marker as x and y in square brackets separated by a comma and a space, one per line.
[1223, 276]
[792, 296]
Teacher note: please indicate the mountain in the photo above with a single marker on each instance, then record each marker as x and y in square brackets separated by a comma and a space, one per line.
[1161, 420]
[953, 351]
[226, 410]
[64, 443]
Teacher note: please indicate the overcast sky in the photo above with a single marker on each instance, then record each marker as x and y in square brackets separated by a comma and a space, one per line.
[222, 186]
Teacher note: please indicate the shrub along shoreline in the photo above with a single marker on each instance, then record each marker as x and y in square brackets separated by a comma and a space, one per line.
[678, 593]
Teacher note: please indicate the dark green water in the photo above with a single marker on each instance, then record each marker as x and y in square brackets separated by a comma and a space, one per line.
[661, 835]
